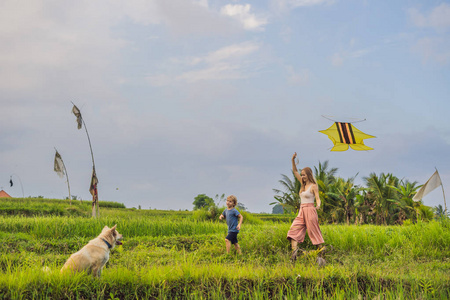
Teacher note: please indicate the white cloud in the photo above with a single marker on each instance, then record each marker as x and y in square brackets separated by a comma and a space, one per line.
[227, 63]
[298, 3]
[242, 13]
[180, 16]
[338, 58]
[219, 71]
[158, 80]
[232, 52]
[438, 18]
[291, 4]
[417, 18]
[203, 3]
[187, 17]
[36, 39]
[53, 43]
[297, 77]
[435, 46]
[286, 34]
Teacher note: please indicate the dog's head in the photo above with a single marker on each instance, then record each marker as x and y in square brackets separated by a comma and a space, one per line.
[112, 235]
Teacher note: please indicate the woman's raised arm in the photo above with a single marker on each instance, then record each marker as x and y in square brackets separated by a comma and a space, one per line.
[294, 168]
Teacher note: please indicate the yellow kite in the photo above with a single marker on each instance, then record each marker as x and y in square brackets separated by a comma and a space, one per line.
[344, 135]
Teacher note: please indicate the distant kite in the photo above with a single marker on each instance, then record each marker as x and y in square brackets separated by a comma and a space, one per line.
[344, 134]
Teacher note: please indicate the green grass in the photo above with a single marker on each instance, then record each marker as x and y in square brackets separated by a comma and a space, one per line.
[29, 207]
[178, 255]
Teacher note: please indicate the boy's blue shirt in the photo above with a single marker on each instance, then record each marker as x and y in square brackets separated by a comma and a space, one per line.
[231, 215]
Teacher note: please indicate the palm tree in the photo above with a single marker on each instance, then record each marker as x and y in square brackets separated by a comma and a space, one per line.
[219, 198]
[324, 174]
[425, 213]
[364, 210]
[439, 212]
[382, 195]
[341, 196]
[331, 203]
[328, 201]
[347, 193]
[289, 197]
[325, 178]
[407, 207]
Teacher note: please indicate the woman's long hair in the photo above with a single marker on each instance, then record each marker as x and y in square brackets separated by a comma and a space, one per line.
[309, 175]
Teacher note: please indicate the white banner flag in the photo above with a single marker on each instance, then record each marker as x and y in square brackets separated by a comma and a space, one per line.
[59, 165]
[431, 184]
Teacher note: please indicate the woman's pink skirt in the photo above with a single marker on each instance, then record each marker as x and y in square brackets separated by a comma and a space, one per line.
[306, 220]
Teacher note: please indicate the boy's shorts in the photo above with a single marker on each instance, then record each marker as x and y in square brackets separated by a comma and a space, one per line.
[232, 237]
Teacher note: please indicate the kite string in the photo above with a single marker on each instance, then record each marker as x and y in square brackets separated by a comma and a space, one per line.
[328, 118]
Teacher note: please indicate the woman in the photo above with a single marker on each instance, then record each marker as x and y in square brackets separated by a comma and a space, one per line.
[307, 219]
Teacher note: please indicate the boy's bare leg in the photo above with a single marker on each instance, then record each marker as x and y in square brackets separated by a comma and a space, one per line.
[238, 248]
[228, 245]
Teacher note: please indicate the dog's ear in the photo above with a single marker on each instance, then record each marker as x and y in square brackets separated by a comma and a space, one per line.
[105, 228]
[113, 230]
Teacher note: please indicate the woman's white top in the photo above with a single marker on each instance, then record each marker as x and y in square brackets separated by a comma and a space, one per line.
[307, 196]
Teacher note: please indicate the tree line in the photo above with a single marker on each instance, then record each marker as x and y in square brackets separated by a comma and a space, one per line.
[384, 200]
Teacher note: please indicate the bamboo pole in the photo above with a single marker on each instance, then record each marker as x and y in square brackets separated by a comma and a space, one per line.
[445, 203]
[67, 176]
[95, 208]
[442, 186]
[21, 185]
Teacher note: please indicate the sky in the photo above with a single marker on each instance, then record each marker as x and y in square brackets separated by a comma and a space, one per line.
[182, 98]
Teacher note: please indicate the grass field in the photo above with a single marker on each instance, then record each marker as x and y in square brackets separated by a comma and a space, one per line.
[179, 255]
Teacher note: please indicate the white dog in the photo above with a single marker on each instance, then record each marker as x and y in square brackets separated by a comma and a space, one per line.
[93, 257]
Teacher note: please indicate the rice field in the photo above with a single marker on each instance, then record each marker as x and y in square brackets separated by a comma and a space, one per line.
[180, 255]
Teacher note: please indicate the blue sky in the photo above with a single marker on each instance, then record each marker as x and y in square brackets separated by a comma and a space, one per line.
[189, 97]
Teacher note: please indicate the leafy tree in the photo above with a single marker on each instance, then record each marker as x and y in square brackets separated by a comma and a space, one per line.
[241, 206]
[213, 211]
[277, 209]
[219, 199]
[202, 201]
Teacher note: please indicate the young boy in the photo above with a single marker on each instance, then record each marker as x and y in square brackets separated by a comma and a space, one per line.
[234, 221]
